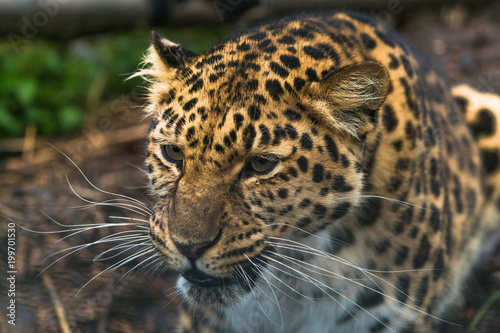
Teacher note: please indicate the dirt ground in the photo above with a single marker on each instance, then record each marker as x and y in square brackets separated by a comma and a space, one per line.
[465, 43]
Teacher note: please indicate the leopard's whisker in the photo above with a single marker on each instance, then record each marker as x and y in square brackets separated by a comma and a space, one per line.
[139, 264]
[306, 278]
[74, 228]
[122, 247]
[78, 231]
[152, 265]
[390, 297]
[94, 186]
[403, 203]
[285, 284]
[111, 203]
[323, 254]
[244, 275]
[106, 239]
[276, 301]
[129, 218]
[309, 267]
[298, 246]
[87, 225]
[320, 284]
[104, 225]
[129, 207]
[117, 265]
[260, 269]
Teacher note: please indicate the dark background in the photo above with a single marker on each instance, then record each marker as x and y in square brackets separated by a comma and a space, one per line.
[62, 71]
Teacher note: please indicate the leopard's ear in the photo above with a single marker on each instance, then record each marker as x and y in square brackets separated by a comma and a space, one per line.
[171, 54]
[349, 97]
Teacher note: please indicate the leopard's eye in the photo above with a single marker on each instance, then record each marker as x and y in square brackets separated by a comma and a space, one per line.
[172, 153]
[262, 165]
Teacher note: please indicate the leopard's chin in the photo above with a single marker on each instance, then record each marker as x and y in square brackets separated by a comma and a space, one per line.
[202, 289]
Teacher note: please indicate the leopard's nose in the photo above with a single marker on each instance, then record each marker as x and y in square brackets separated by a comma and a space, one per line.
[195, 250]
[192, 251]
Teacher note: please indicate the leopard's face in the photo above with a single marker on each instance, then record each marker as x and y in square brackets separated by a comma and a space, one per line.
[237, 166]
[232, 181]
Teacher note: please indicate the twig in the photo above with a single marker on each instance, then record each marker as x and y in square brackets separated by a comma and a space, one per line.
[482, 310]
[61, 315]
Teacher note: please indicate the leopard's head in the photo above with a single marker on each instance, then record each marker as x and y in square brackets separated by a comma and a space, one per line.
[248, 149]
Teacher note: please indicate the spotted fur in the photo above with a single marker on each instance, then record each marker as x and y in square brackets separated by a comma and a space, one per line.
[374, 202]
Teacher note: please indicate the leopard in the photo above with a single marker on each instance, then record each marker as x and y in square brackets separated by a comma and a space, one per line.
[316, 173]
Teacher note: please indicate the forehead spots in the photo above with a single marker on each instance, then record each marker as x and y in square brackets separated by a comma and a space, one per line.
[190, 133]
[254, 112]
[265, 136]
[213, 77]
[320, 51]
[303, 33]
[211, 60]
[172, 120]
[290, 61]
[291, 132]
[167, 113]
[274, 89]
[318, 171]
[313, 52]
[238, 120]
[257, 36]
[279, 70]
[249, 136]
[312, 75]
[252, 84]
[267, 46]
[289, 40]
[331, 147]
[279, 133]
[190, 104]
[219, 148]
[251, 56]
[168, 97]
[243, 47]
[302, 163]
[180, 125]
[292, 115]
[298, 83]
[197, 85]
[306, 142]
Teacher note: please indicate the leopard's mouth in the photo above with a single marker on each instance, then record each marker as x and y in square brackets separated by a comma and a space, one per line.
[201, 279]
[207, 290]
[204, 280]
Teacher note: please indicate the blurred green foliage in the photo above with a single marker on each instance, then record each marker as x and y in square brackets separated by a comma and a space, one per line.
[48, 83]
